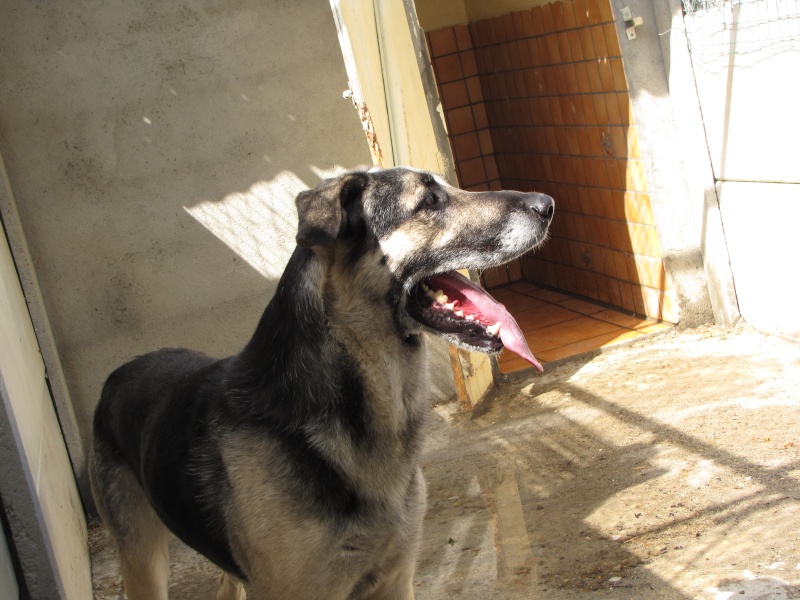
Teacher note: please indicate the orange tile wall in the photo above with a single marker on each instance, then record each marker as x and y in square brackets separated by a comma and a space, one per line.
[537, 100]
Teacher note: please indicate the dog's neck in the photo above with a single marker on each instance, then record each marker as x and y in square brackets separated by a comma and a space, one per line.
[317, 323]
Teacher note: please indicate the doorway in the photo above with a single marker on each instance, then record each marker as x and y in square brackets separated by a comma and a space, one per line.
[537, 99]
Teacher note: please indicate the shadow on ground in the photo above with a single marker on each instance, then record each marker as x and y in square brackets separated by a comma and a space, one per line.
[666, 469]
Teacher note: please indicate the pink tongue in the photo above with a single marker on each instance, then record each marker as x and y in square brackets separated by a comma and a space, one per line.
[475, 301]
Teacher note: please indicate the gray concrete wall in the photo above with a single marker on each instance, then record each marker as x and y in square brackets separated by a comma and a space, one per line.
[154, 151]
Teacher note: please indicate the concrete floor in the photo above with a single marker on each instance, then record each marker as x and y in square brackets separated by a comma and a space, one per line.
[669, 468]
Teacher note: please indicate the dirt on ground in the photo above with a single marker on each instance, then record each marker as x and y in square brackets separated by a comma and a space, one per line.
[669, 468]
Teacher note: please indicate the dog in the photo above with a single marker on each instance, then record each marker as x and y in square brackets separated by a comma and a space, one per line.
[294, 465]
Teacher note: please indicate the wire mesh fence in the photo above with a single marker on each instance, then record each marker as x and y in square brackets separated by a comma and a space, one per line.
[757, 29]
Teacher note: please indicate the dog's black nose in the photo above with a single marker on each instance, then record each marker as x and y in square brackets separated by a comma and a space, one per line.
[542, 204]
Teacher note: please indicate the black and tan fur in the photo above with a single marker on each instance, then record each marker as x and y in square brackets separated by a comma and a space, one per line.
[294, 465]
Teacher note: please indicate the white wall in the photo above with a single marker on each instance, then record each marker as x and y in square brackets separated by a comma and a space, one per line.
[747, 83]
[154, 151]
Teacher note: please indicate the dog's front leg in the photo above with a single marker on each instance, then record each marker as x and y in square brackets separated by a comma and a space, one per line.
[230, 588]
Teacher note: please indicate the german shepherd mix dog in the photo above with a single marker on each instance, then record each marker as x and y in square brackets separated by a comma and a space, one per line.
[294, 465]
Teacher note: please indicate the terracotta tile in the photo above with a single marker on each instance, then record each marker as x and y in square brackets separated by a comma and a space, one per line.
[581, 306]
[552, 143]
[442, 41]
[514, 270]
[545, 57]
[602, 290]
[614, 293]
[454, 94]
[584, 141]
[614, 118]
[460, 120]
[550, 85]
[609, 200]
[592, 11]
[525, 287]
[477, 33]
[645, 210]
[466, 146]
[606, 76]
[571, 332]
[630, 259]
[621, 266]
[547, 295]
[468, 65]
[615, 181]
[636, 179]
[571, 78]
[494, 277]
[485, 141]
[601, 173]
[587, 45]
[472, 171]
[669, 312]
[609, 268]
[541, 140]
[481, 121]
[448, 68]
[524, 55]
[632, 136]
[577, 169]
[527, 23]
[559, 21]
[588, 172]
[638, 301]
[561, 79]
[594, 205]
[612, 40]
[537, 19]
[599, 41]
[593, 71]
[567, 113]
[518, 303]
[463, 37]
[516, 59]
[618, 75]
[622, 319]
[510, 362]
[547, 18]
[572, 139]
[596, 148]
[574, 40]
[569, 15]
[505, 57]
[490, 167]
[535, 53]
[626, 294]
[497, 30]
[564, 51]
[587, 107]
[519, 82]
[474, 91]
[604, 8]
[625, 109]
[600, 109]
[544, 316]
[579, 10]
[509, 27]
[582, 77]
[519, 29]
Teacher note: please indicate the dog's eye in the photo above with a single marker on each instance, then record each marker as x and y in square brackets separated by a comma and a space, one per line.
[432, 200]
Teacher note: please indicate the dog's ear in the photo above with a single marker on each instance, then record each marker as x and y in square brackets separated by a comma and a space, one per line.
[319, 211]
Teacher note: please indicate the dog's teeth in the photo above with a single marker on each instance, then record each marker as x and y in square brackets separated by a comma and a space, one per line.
[450, 306]
[494, 329]
[425, 288]
[469, 317]
[440, 297]
[459, 313]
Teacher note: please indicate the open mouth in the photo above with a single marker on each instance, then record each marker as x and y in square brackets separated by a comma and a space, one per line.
[466, 314]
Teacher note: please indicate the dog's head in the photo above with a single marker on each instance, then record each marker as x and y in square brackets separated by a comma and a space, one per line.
[404, 232]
